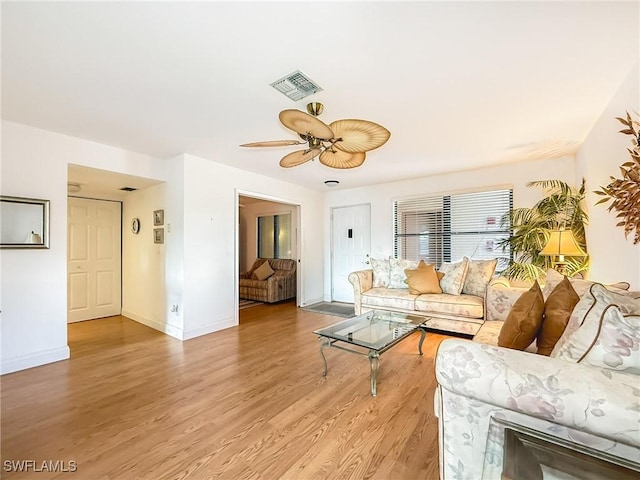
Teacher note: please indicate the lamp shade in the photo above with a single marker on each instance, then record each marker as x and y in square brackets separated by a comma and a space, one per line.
[562, 242]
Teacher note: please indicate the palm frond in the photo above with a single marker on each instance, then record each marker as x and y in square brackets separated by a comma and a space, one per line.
[562, 207]
[523, 271]
[564, 187]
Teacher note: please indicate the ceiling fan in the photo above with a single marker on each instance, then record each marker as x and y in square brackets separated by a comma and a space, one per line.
[341, 144]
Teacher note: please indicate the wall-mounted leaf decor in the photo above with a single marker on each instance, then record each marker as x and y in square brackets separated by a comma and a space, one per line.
[624, 192]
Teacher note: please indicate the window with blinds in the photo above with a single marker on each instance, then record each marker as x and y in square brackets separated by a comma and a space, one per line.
[445, 228]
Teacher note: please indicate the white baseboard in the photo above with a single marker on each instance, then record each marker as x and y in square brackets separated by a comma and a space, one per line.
[209, 328]
[34, 360]
[313, 301]
[171, 330]
[178, 332]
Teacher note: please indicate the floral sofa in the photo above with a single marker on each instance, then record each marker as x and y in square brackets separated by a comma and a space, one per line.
[586, 394]
[460, 308]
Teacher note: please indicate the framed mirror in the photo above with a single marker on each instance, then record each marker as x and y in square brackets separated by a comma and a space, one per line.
[24, 222]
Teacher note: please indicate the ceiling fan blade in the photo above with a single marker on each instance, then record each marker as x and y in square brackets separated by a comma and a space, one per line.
[340, 159]
[304, 124]
[273, 143]
[359, 135]
[299, 157]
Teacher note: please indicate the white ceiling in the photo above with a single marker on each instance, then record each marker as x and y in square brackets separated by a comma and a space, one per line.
[460, 85]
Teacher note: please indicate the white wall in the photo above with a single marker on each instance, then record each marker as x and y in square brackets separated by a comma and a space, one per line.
[151, 272]
[210, 224]
[613, 257]
[381, 197]
[34, 282]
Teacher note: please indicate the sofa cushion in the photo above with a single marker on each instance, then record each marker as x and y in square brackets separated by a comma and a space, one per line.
[389, 297]
[263, 272]
[469, 306]
[524, 320]
[381, 268]
[557, 310]
[587, 320]
[454, 275]
[423, 279]
[479, 273]
[396, 272]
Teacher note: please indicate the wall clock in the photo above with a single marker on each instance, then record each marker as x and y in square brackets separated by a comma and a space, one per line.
[135, 225]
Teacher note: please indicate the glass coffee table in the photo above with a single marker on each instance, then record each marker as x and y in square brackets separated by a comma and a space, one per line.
[375, 332]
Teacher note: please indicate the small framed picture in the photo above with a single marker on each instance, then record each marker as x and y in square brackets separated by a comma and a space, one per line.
[158, 235]
[158, 217]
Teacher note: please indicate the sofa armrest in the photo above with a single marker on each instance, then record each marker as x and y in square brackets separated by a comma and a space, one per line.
[599, 401]
[362, 280]
[500, 297]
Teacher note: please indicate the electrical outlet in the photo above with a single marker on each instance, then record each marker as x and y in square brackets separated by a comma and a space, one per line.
[174, 308]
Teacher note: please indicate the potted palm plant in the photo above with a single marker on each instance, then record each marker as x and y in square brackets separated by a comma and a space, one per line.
[531, 227]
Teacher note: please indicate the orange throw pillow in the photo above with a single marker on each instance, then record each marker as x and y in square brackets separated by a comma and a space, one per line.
[524, 320]
[557, 311]
[423, 279]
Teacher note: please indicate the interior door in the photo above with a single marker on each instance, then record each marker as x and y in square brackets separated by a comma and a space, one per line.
[94, 259]
[350, 245]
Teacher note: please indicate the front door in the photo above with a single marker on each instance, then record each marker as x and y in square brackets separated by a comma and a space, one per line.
[94, 259]
[350, 245]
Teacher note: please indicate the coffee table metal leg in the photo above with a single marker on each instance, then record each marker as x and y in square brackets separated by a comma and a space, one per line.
[325, 343]
[374, 360]
[422, 335]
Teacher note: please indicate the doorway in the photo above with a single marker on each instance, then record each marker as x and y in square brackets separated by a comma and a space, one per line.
[267, 228]
[350, 247]
[94, 265]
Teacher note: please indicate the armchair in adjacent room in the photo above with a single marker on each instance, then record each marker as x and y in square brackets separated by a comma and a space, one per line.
[273, 282]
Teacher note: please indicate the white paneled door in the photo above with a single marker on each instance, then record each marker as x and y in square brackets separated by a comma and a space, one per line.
[94, 259]
[350, 246]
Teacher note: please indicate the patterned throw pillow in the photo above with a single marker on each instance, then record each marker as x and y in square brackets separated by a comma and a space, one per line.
[617, 345]
[454, 275]
[479, 273]
[381, 268]
[396, 274]
[553, 278]
[586, 321]
[523, 322]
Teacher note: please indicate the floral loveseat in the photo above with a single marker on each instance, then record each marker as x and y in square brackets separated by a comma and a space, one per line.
[460, 307]
[586, 393]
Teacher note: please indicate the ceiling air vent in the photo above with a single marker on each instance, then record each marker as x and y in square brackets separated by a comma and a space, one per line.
[296, 86]
[128, 189]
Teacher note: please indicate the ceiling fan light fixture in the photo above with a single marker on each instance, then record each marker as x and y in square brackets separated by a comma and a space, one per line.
[342, 144]
[296, 86]
[315, 108]
[331, 183]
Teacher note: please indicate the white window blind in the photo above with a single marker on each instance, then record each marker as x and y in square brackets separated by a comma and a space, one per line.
[445, 228]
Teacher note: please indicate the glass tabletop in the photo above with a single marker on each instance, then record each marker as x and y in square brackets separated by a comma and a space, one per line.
[374, 330]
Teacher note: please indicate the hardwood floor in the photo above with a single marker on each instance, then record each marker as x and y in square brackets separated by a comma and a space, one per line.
[248, 402]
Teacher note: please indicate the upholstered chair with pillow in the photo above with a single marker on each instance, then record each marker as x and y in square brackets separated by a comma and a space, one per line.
[269, 280]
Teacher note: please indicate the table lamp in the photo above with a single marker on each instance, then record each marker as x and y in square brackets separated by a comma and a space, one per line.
[562, 243]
